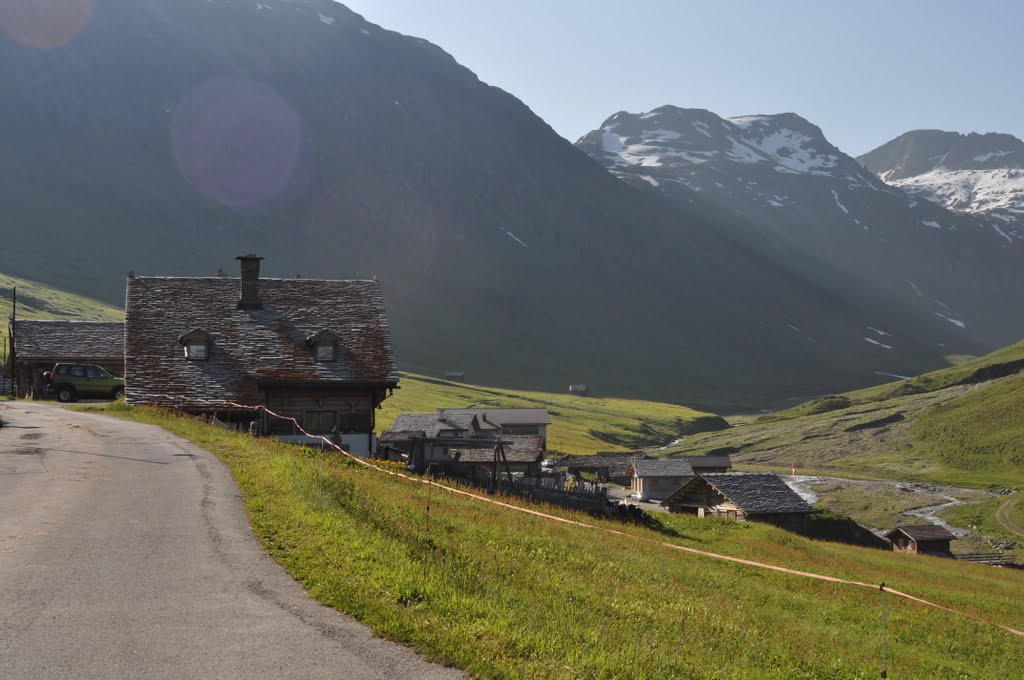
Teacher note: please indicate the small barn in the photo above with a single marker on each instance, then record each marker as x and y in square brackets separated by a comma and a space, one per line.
[455, 376]
[710, 463]
[523, 455]
[658, 478]
[926, 539]
[38, 345]
[741, 497]
[579, 390]
[608, 466]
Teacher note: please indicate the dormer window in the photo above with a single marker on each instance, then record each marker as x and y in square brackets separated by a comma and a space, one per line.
[324, 344]
[197, 344]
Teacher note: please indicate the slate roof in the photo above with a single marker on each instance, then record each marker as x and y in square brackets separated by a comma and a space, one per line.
[616, 462]
[251, 346]
[924, 532]
[431, 424]
[508, 416]
[663, 467]
[755, 494]
[710, 461]
[38, 341]
[520, 448]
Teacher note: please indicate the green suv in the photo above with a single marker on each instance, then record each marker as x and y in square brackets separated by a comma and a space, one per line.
[71, 381]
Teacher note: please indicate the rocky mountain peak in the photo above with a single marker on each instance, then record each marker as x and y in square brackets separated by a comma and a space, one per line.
[976, 173]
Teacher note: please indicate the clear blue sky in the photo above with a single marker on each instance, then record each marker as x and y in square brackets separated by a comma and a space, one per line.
[864, 71]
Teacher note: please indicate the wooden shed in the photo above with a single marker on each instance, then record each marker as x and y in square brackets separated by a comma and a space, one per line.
[740, 497]
[926, 539]
[38, 345]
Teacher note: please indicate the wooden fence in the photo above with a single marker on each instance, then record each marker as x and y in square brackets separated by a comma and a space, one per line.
[567, 492]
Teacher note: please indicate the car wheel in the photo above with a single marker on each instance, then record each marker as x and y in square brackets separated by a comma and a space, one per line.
[65, 395]
[119, 393]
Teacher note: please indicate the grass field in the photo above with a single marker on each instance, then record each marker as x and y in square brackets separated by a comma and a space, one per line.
[578, 424]
[507, 595]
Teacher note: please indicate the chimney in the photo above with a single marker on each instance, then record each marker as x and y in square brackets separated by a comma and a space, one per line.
[441, 415]
[250, 295]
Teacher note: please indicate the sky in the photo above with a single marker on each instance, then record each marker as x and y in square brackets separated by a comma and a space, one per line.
[864, 71]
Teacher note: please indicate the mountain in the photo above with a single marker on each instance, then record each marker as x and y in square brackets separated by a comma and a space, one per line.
[168, 137]
[973, 173]
[798, 199]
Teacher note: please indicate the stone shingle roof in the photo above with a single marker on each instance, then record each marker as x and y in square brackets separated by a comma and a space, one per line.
[508, 416]
[431, 424]
[757, 494]
[616, 462]
[924, 532]
[520, 448]
[663, 467]
[251, 347]
[710, 461]
[69, 340]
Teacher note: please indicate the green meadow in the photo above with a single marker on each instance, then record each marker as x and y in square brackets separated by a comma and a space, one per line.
[503, 594]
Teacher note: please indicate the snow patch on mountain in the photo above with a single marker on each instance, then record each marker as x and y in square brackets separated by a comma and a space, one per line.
[835, 195]
[975, 191]
[953, 321]
[879, 344]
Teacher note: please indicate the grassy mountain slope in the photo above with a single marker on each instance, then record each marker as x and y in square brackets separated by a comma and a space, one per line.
[507, 595]
[958, 426]
[502, 249]
[40, 301]
[578, 425]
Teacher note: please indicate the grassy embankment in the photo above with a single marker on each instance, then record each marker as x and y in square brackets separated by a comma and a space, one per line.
[578, 425]
[38, 301]
[961, 426]
[956, 426]
[508, 595]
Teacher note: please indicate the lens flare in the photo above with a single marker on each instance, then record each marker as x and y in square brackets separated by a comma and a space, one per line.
[236, 141]
[44, 24]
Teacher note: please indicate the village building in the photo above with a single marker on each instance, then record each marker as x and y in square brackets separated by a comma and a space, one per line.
[38, 345]
[579, 390]
[606, 466]
[927, 539]
[315, 351]
[657, 478]
[455, 376]
[426, 438]
[741, 496]
[710, 463]
[520, 454]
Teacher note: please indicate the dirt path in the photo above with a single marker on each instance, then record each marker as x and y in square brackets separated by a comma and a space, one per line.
[1004, 512]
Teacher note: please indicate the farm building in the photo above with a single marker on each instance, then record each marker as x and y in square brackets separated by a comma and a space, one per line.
[926, 539]
[455, 376]
[710, 463]
[424, 438]
[579, 390]
[740, 496]
[523, 454]
[658, 478]
[313, 350]
[38, 345]
[608, 466]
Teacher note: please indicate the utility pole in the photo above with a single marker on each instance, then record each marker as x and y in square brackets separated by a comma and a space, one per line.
[13, 354]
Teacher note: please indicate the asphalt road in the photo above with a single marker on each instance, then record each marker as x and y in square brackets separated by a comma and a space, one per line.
[125, 553]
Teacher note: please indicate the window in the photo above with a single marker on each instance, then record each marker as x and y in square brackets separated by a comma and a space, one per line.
[323, 344]
[95, 372]
[77, 371]
[197, 344]
[325, 352]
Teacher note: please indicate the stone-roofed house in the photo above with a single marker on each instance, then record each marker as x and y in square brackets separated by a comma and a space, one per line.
[38, 345]
[741, 496]
[318, 351]
[926, 539]
[710, 463]
[609, 466]
[657, 478]
[522, 453]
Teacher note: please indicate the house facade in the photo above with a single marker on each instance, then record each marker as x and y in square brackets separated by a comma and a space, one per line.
[317, 353]
[38, 345]
[658, 478]
[927, 539]
[741, 497]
